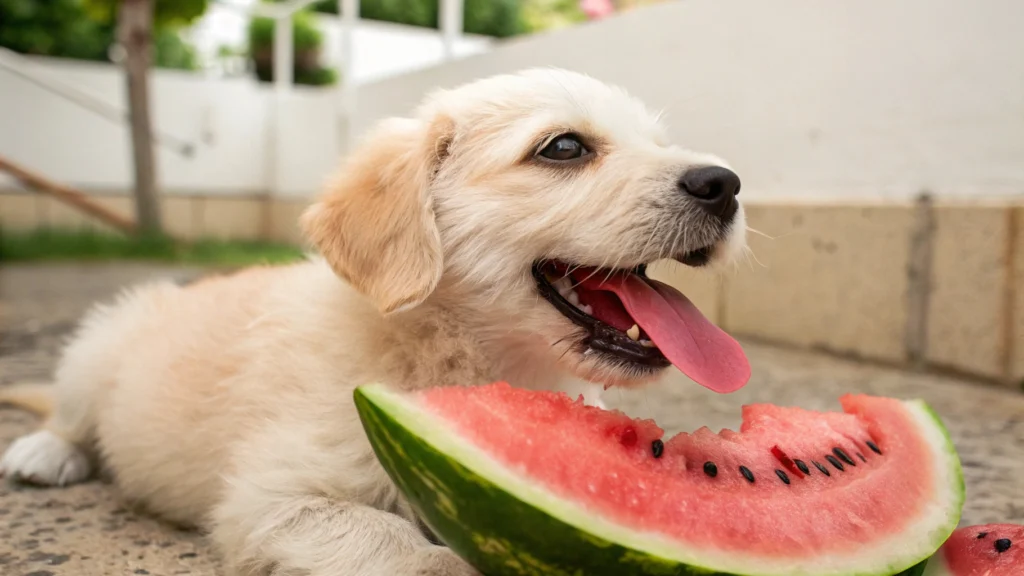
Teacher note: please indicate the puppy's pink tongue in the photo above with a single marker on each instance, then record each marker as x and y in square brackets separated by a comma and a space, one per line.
[698, 348]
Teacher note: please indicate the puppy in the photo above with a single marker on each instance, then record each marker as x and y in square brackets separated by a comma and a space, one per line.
[500, 234]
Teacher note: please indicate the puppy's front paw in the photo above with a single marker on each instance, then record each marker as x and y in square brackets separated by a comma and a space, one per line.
[435, 561]
[44, 459]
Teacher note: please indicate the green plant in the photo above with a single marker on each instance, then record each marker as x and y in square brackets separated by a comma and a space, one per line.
[55, 28]
[50, 244]
[499, 18]
[305, 34]
[307, 40]
[316, 76]
[173, 52]
[67, 29]
[538, 15]
[171, 13]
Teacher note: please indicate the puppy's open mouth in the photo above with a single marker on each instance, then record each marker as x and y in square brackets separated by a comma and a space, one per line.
[636, 321]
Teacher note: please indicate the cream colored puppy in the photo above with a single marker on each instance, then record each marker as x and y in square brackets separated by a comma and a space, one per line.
[228, 404]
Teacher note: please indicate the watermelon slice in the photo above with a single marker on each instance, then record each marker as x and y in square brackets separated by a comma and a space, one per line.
[989, 550]
[525, 482]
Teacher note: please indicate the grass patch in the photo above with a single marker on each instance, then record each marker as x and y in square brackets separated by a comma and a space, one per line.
[50, 244]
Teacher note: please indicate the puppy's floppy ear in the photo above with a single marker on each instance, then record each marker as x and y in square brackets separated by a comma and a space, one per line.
[375, 225]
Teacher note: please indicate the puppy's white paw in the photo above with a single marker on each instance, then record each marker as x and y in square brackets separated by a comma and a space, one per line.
[44, 459]
[434, 561]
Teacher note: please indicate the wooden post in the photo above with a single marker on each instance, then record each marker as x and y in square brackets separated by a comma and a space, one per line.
[67, 195]
[135, 33]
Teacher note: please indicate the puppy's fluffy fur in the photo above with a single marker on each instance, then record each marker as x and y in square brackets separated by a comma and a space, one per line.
[227, 404]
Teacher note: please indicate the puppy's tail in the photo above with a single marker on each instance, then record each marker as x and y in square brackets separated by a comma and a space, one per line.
[35, 398]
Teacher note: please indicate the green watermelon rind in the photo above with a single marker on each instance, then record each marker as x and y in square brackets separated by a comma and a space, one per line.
[504, 524]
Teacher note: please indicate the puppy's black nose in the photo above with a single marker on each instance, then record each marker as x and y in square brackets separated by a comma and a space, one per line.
[714, 188]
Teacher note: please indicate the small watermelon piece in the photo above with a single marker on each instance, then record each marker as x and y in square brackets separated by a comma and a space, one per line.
[526, 482]
[987, 550]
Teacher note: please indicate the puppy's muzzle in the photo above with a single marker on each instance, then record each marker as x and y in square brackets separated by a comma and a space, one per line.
[714, 189]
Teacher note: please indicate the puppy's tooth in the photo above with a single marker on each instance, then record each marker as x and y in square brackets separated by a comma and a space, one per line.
[647, 343]
[586, 308]
[634, 332]
[573, 298]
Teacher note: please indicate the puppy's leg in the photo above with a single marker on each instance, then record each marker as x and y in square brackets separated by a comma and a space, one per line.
[57, 455]
[54, 455]
[45, 458]
[270, 534]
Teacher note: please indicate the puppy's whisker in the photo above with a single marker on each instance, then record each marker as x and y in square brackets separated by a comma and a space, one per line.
[750, 253]
[672, 246]
[759, 233]
[562, 339]
[650, 238]
[564, 352]
[654, 232]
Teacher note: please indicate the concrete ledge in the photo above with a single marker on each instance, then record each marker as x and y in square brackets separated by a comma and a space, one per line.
[1015, 318]
[829, 277]
[916, 285]
[703, 289]
[928, 286]
[185, 216]
[284, 220]
[968, 310]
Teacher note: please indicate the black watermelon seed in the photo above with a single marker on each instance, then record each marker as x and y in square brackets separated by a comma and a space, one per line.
[874, 447]
[861, 456]
[657, 447]
[832, 460]
[843, 456]
[1003, 544]
[710, 469]
[822, 468]
[982, 535]
[747, 474]
[782, 476]
[803, 467]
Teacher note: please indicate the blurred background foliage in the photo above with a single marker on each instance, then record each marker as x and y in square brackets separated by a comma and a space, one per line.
[307, 41]
[86, 29]
[497, 18]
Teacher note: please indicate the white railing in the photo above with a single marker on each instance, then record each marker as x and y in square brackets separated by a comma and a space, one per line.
[19, 66]
[451, 25]
[68, 117]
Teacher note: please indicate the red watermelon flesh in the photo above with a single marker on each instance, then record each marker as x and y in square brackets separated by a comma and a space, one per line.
[811, 482]
[988, 550]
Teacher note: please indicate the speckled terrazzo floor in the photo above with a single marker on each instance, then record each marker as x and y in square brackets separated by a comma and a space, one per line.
[85, 531]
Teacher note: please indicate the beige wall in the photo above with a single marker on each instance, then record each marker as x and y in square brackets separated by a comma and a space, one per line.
[186, 217]
[809, 98]
[830, 277]
[834, 276]
[838, 277]
[1015, 328]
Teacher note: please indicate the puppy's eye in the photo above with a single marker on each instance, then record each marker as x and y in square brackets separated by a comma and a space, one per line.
[565, 147]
